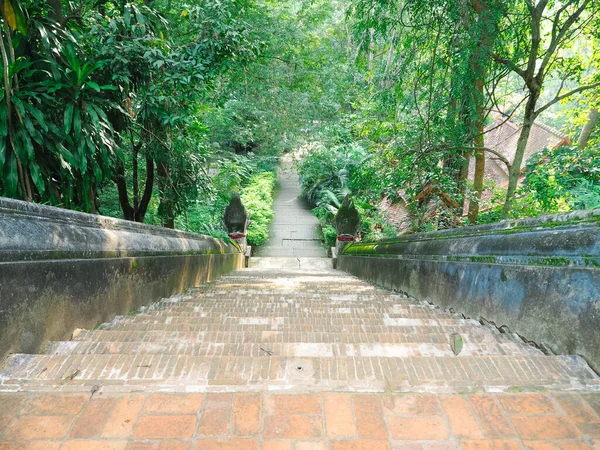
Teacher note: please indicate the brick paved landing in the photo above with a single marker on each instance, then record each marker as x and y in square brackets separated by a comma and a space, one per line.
[322, 421]
[294, 325]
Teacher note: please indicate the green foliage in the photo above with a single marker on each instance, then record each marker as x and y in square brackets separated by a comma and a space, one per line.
[257, 198]
[231, 173]
[137, 109]
[563, 179]
[556, 181]
[329, 234]
[328, 174]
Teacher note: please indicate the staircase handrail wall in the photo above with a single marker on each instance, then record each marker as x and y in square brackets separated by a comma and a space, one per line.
[30, 231]
[61, 270]
[538, 277]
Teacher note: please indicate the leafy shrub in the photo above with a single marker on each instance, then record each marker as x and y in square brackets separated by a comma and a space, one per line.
[327, 175]
[563, 179]
[257, 197]
[330, 235]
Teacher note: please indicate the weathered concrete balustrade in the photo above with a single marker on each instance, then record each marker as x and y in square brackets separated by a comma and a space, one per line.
[61, 270]
[539, 277]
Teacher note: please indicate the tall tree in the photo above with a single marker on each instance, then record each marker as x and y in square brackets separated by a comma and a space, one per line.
[587, 129]
[488, 17]
[533, 52]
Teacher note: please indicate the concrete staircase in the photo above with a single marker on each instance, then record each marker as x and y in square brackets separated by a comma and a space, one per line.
[295, 231]
[292, 323]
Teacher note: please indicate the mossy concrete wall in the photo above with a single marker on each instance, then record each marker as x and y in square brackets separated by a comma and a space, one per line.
[540, 277]
[61, 270]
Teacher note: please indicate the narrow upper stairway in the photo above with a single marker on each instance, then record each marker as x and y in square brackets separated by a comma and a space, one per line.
[294, 232]
[297, 326]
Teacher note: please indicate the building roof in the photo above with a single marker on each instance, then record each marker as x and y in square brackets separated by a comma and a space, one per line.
[502, 135]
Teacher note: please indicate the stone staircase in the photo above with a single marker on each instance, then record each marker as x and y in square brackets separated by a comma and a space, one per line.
[292, 324]
[295, 231]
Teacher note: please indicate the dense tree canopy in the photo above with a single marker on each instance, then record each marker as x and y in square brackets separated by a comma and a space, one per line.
[156, 110]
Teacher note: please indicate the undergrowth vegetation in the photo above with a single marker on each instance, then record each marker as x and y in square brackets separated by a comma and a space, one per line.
[330, 173]
[257, 197]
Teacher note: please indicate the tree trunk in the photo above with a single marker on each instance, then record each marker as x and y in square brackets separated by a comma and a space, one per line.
[91, 196]
[57, 11]
[479, 142]
[480, 59]
[390, 57]
[371, 50]
[136, 184]
[140, 213]
[166, 200]
[584, 137]
[119, 180]
[477, 184]
[515, 169]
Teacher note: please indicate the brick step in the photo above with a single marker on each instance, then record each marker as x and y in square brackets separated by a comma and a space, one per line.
[445, 374]
[265, 296]
[274, 290]
[479, 336]
[317, 300]
[406, 327]
[292, 307]
[298, 350]
[288, 302]
[223, 313]
[276, 322]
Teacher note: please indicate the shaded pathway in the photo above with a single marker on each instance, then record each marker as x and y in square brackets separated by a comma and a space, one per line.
[294, 231]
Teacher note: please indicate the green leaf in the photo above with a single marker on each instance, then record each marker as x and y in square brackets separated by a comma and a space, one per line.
[139, 17]
[37, 178]
[27, 146]
[93, 85]
[77, 123]
[3, 120]
[26, 120]
[2, 153]
[68, 117]
[127, 15]
[98, 173]
[98, 110]
[11, 178]
[19, 106]
[93, 115]
[38, 115]
[456, 342]
[81, 156]
[66, 154]
[20, 18]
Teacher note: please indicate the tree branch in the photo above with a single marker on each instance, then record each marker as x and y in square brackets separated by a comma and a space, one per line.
[558, 98]
[510, 65]
[499, 155]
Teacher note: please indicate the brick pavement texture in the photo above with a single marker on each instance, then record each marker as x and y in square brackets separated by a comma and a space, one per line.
[310, 421]
[295, 359]
[272, 328]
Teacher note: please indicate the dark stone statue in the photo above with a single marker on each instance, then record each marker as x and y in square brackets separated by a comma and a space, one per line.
[236, 219]
[347, 220]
